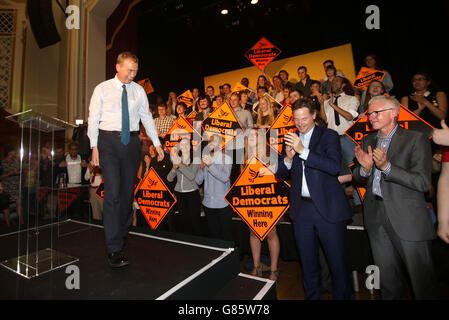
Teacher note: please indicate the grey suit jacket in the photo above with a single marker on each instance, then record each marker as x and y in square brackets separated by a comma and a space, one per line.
[403, 189]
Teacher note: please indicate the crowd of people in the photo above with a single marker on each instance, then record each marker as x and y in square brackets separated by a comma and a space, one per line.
[332, 105]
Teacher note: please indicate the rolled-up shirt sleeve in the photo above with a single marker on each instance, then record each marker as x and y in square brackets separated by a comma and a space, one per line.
[353, 106]
[94, 116]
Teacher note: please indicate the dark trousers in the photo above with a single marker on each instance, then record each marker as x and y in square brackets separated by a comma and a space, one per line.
[119, 164]
[391, 254]
[220, 222]
[189, 206]
[310, 229]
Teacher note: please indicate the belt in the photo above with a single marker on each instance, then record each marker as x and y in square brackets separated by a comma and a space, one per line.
[306, 199]
[119, 133]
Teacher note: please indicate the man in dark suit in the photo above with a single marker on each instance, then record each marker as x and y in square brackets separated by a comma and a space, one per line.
[318, 204]
[396, 166]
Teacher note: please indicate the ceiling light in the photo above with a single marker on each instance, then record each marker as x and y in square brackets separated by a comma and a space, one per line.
[254, 1]
[224, 11]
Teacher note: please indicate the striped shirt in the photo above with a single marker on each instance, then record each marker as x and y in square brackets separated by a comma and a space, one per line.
[381, 143]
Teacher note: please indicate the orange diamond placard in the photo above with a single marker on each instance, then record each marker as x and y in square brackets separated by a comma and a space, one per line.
[186, 97]
[146, 84]
[224, 122]
[407, 119]
[259, 198]
[366, 75]
[154, 198]
[282, 125]
[180, 129]
[262, 53]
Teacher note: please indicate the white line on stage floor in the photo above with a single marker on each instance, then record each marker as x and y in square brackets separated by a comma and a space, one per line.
[193, 276]
[268, 284]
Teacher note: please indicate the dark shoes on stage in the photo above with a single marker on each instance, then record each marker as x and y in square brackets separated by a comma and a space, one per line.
[117, 260]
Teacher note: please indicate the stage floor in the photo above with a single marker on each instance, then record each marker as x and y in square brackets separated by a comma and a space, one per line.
[160, 268]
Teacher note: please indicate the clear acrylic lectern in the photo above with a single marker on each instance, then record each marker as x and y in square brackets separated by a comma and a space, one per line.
[36, 241]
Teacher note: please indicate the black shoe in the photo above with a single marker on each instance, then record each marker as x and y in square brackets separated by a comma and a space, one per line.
[117, 260]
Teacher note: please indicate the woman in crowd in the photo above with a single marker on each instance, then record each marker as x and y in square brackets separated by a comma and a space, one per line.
[11, 178]
[172, 102]
[278, 93]
[262, 81]
[429, 104]
[170, 113]
[373, 61]
[265, 114]
[256, 146]
[186, 189]
[215, 172]
[375, 88]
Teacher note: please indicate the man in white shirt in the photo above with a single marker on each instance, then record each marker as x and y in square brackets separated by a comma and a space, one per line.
[116, 107]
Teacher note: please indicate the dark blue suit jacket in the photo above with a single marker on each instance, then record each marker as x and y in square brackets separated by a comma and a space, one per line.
[321, 170]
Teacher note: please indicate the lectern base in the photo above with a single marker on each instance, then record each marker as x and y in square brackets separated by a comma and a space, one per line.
[36, 264]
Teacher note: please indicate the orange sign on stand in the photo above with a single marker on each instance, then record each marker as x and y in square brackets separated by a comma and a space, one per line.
[154, 199]
[179, 130]
[281, 126]
[259, 198]
[262, 53]
[366, 75]
[186, 97]
[146, 84]
[224, 122]
[407, 119]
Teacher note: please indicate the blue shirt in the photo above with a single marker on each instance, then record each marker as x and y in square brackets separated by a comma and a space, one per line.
[305, 139]
[216, 180]
[381, 143]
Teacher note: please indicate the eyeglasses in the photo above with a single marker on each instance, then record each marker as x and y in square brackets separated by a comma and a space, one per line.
[377, 112]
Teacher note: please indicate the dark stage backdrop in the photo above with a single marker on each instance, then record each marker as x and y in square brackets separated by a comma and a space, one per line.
[179, 42]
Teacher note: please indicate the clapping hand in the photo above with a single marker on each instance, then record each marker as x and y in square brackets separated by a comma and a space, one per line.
[293, 140]
[380, 158]
[365, 158]
[441, 136]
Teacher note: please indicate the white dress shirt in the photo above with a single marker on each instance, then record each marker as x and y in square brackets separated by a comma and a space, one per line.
[347, 103]
[105, 110]
[305, 139]
[73, 169]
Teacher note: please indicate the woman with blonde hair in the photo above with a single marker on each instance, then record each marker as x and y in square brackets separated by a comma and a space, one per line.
[265, 114]
[255, 146]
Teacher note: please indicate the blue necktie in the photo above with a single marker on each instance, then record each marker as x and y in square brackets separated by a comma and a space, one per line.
[125, 117]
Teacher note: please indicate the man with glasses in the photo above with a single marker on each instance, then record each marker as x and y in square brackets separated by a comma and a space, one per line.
[396, 166]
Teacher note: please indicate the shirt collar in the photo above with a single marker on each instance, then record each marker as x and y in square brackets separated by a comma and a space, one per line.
[308, 134]
[390, 135]
[120, 84]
